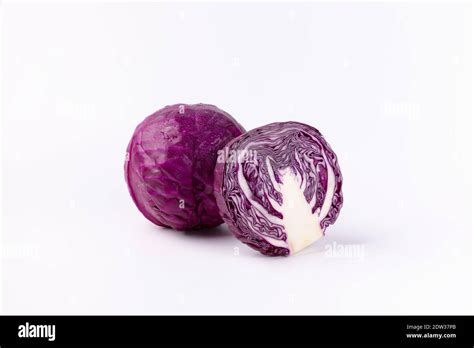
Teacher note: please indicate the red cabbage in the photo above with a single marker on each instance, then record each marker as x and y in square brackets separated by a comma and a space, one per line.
[170, 164]
[278, 187]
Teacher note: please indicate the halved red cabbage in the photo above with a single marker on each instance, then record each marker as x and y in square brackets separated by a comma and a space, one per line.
[278, 187]
[170, 164]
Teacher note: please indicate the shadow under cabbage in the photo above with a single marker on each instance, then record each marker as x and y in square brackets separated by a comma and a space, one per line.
[220, 231]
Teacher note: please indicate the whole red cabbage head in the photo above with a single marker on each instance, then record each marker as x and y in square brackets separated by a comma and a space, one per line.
[170, 163]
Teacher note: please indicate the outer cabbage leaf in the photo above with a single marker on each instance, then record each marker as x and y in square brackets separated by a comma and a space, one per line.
[170, 164]
[278, 187]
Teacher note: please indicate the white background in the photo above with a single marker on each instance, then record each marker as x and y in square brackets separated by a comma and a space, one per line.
[389, 85]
